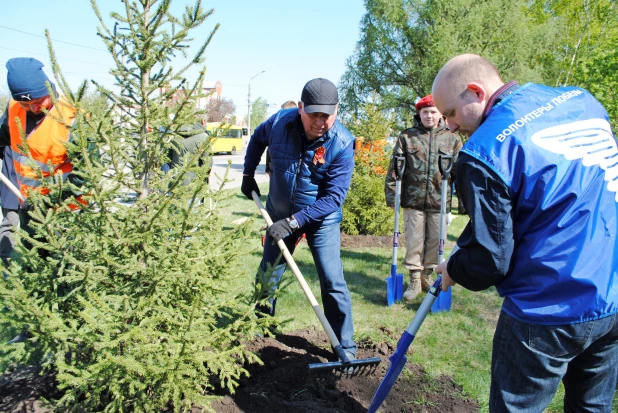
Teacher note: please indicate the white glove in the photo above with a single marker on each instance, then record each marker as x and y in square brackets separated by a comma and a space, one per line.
[449, 219]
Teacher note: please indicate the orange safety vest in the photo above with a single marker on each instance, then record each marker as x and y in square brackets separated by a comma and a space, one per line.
[46, 143]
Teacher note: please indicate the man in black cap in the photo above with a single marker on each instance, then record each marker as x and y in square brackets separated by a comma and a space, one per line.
[312, 160]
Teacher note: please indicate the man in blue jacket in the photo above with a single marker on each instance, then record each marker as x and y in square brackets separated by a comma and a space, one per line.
[312, 160]
[538, 177]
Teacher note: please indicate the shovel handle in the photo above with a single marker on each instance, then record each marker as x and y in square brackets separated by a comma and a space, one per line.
[445, 170]
[12, 187]
[400, 165]
[299, 276]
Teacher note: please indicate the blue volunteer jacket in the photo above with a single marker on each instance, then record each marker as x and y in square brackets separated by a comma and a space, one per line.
[555, 151]
[299, 184]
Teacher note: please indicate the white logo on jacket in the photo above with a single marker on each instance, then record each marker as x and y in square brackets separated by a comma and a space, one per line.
[591, 140]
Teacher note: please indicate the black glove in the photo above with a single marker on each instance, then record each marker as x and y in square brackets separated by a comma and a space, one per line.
[248, 185]
[279, 230]
[26, 206]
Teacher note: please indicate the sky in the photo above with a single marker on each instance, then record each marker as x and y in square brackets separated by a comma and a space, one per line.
[291, 42]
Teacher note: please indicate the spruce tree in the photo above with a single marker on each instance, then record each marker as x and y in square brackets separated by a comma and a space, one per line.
[132, 299]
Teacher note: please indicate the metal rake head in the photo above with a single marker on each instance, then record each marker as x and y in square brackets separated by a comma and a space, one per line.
[349, 368]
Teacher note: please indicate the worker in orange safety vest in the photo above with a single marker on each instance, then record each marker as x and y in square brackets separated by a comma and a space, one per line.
[32, 113]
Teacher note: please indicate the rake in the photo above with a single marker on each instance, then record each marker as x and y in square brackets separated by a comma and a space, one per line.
[345, 365]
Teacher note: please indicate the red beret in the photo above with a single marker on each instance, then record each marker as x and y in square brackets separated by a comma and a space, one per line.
[425, 102]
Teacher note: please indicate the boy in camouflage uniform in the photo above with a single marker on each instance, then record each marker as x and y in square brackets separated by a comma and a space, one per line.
[421, 146]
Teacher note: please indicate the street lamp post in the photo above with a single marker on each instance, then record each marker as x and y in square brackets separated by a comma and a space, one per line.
[249, 105]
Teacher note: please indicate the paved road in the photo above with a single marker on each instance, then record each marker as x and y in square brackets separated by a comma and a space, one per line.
[219, 166]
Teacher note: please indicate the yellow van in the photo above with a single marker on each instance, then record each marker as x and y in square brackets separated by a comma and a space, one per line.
[228, 138]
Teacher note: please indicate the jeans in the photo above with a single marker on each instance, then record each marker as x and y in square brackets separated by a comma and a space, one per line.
[529, 360]
[324, 242]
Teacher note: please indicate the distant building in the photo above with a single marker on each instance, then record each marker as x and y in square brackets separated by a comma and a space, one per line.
[211, 88]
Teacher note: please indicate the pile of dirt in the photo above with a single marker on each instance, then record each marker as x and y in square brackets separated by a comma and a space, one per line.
[369, 241]
[285, 384]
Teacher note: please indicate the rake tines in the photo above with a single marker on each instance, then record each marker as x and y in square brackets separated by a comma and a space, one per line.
[350, 368]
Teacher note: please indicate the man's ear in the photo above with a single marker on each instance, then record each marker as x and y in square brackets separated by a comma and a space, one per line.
[300, 106]
[478, 90]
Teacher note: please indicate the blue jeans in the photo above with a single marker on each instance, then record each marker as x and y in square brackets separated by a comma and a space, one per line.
[324, 243]
[529, 360]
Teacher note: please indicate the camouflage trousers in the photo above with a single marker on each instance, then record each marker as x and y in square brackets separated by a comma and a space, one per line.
[422, 234]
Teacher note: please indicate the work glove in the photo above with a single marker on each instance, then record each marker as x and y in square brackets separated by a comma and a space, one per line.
[248, 185]
[279, 230]
[26, 206]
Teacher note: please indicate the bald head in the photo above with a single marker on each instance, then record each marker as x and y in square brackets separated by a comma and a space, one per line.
[462, 88]
[467, 68]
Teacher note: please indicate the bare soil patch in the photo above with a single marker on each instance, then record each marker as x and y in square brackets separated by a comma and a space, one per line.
[369, 241]
[285, 384]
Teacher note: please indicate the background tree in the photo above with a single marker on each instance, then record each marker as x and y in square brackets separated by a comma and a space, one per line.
[588, 55]
[405, 42]
[217, 109]
[131, 299]
[259, 112]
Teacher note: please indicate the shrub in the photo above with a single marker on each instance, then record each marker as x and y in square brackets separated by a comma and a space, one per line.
[365, 211]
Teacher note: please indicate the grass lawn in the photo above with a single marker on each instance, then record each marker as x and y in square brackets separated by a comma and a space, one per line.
[455, 343]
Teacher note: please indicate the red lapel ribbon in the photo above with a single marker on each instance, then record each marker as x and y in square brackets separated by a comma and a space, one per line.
[319, 155]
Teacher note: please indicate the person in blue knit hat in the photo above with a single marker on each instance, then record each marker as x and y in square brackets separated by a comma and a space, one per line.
[28, 84]
[31, 103]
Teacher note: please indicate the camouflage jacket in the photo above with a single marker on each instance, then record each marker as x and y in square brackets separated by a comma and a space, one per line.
[422, 182]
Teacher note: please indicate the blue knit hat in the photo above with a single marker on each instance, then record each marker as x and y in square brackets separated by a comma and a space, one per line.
[26, 79]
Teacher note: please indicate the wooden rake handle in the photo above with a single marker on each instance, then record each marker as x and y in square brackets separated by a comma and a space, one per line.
[301, 280]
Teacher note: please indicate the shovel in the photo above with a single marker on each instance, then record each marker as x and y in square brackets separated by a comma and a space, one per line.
[399, 359]
[445, 164]
[12, 187]
[345, 365]
[394, 282]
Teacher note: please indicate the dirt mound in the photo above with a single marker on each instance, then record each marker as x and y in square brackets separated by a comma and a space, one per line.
[285, 384]
[369, 241]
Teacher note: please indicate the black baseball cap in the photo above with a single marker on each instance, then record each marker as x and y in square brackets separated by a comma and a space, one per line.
[320, 95]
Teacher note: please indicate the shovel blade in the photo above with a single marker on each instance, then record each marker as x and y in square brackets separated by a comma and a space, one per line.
[399, 287]
[394, 287]
[443, 302]
[398, 361]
